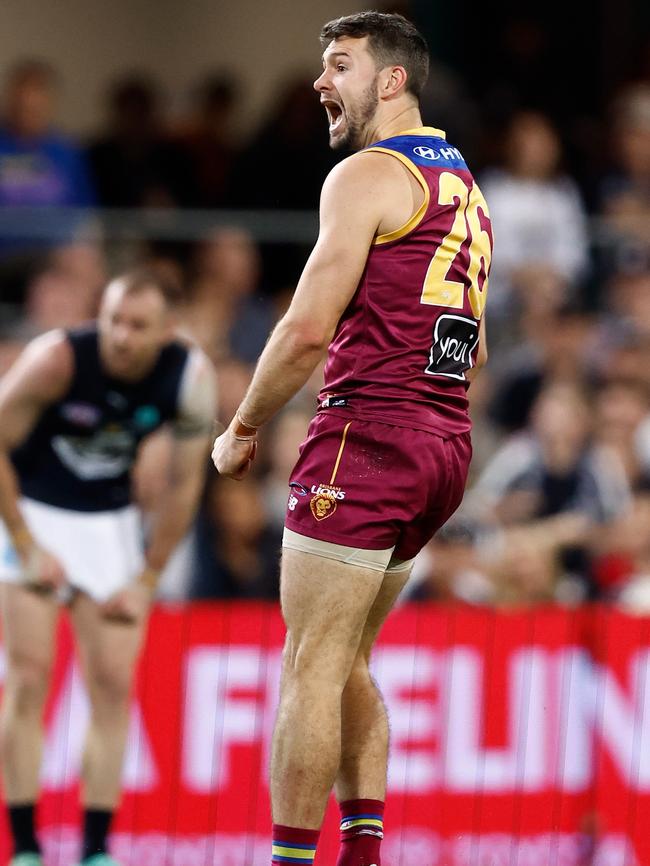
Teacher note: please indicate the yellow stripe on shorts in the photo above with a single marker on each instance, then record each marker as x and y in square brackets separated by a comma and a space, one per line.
[340, 454]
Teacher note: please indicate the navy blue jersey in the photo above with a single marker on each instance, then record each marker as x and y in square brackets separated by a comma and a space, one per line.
[82, 450]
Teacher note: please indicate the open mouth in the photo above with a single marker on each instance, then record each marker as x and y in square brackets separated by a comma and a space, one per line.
[334, 113]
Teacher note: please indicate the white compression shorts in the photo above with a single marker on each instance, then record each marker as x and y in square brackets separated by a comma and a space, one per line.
[375, 560]
[100, 551]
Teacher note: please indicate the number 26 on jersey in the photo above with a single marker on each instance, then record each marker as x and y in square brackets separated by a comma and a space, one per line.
[438, 289]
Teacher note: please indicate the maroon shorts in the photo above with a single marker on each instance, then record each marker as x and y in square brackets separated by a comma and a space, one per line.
[372, 485]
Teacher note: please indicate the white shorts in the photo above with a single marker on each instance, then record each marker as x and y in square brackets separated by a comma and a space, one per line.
[375, 560]
[100, 551]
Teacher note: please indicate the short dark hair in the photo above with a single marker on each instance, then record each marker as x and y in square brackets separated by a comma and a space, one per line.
[392, 39]
[142, 278]
[30, 70]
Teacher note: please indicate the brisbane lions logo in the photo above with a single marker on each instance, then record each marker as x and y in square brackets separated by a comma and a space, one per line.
[322, 506]
[325, 500]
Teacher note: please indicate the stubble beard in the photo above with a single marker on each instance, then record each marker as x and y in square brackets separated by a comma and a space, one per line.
[358, 119]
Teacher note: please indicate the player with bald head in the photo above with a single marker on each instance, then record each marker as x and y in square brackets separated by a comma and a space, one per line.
[75, 408]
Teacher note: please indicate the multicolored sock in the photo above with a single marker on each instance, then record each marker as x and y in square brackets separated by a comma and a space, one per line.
[293, 845]
[362, 829]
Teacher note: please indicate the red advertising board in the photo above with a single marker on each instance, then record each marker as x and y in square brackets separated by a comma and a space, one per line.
[518, 739]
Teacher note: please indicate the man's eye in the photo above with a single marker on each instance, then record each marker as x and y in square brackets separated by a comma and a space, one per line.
[341, 68]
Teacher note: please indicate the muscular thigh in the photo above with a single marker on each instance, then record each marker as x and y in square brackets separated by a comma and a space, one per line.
[325, 605]
[391, 586]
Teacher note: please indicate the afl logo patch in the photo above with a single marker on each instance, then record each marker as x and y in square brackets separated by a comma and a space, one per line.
[81, 414]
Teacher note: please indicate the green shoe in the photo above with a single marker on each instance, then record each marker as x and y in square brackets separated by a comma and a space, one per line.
[27, 858]
[95, 860]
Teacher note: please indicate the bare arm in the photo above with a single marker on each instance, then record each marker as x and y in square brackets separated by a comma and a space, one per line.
[192, 433]
[40, 376]
[177, 504]
[354, 198]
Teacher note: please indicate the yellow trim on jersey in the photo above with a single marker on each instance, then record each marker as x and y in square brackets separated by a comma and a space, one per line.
[418, 216]
[340, 454]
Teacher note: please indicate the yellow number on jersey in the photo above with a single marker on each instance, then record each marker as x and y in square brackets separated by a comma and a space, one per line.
[437, 289]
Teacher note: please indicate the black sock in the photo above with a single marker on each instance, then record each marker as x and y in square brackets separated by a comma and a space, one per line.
[96, 824]
[21, 820]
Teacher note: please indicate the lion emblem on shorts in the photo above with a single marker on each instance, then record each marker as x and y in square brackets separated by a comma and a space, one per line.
[322, 506]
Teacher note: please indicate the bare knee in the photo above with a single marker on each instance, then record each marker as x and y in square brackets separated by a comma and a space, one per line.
[109, 687]
[360, 676]
[308, 667]
[27, 684]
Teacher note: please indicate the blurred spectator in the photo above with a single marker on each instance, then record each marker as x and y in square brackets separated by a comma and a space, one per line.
[623, 347]
[628, 301]
[283, 167]
[226, 313]
[134, 163]
[555, 478]
[234, 378]
[626, 355]
[39, 167]
[287, 433]
[558, 348]
[208, 139]
[286, 162]
[626, 191]
[66, 293]
[237, 550]
[622, 564]
[538, 219]
[449, 568]
[622, 424]
[446, 105]
[526, 568]
[553, 467]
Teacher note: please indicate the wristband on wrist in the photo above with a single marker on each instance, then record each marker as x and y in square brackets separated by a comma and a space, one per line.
[149, 578]
[21, 537]
[241, 430]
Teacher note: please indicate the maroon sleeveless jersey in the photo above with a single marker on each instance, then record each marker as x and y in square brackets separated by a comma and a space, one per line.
[403, 345]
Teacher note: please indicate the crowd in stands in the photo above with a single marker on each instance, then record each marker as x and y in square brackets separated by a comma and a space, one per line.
[558, 505]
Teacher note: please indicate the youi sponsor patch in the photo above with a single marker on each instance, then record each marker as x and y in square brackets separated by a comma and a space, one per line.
[454, 340]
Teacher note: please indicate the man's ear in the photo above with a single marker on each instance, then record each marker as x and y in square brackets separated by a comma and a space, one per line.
[392, 81]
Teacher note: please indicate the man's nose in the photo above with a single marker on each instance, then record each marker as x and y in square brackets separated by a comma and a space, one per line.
[321, 82]
[121, 336]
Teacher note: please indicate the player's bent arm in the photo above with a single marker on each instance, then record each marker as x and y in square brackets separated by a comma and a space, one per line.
[192, 432]
[40, 376]
[177, 506]
[353, 202]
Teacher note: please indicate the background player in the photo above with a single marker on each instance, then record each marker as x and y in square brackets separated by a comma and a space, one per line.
[75, 407]
[396, 286]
